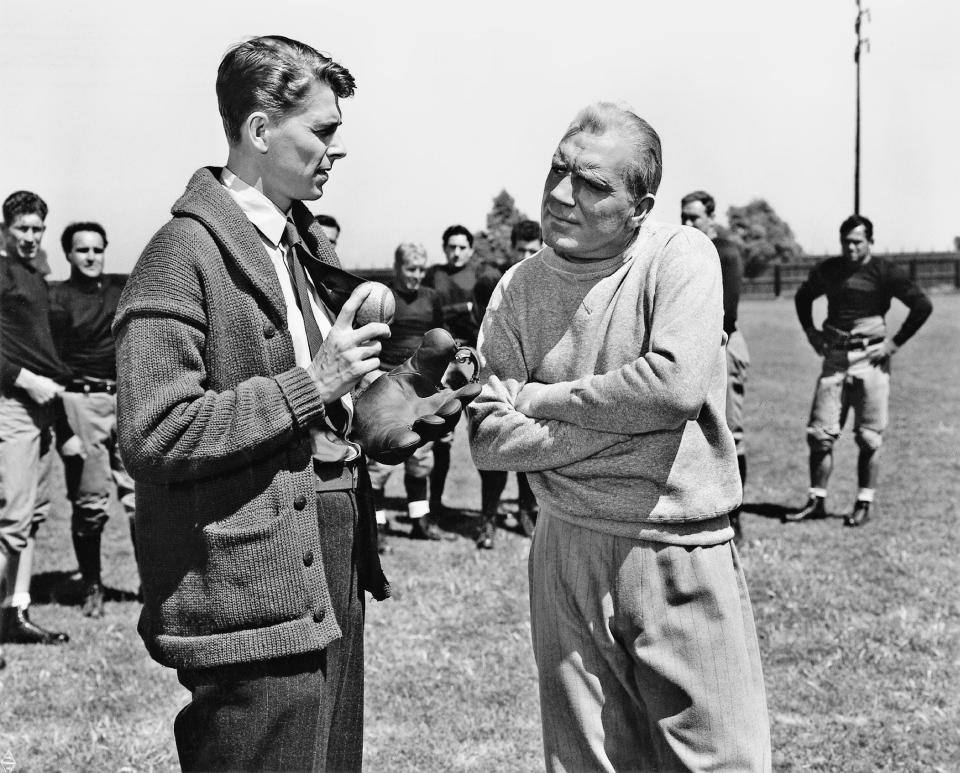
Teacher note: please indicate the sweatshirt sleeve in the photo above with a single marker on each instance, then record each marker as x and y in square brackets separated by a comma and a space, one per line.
[668, 384]
[172, 427]
[503, 438]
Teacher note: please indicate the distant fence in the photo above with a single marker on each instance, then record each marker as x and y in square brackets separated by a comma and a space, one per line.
[927, 269]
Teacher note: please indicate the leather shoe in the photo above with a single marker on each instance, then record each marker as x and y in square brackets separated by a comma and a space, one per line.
[19, 629]
[93, 600]
[814, 508]
[485, 537]
[425, 528]
[860, 514]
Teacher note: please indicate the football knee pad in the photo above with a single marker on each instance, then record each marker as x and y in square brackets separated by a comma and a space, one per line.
[868, 439]
[819, 439]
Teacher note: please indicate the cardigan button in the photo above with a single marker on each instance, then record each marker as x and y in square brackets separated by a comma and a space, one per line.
[308, 558]
[300, 502]
[269, 330]
[319, 615]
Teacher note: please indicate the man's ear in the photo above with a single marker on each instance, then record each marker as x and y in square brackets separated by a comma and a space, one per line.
[256, 130]
[642, 209]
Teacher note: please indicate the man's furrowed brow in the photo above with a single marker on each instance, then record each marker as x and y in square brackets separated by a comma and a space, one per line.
[326, 126]
[592, 171]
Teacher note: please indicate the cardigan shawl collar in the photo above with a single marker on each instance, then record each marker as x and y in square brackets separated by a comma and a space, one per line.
[206, 201]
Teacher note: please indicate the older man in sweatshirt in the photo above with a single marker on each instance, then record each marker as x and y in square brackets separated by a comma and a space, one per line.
[604, 379]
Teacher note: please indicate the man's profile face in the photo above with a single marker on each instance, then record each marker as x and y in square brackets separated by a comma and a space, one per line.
[302, 146]
[587, 212]
[524, 250]
[694, 214]
[458, 250]
[332, 233]
[855, 245]
[23, 235]
[86, 254]
[408, 274]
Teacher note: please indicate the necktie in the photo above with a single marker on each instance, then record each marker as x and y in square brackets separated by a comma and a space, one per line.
[296, 253]
[301, 287]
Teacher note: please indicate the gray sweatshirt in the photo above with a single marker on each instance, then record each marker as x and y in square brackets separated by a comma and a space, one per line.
[606, 382]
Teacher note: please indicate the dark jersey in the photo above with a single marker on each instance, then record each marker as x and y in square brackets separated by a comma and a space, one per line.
[25, 338]
[455, 286]
[855, 291]
[81, 313]
[488, 276]
[731, 271]
[416, 313]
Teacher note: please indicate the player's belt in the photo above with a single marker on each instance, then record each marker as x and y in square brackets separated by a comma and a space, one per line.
[857, 344]
[92, 385]
[336, 476]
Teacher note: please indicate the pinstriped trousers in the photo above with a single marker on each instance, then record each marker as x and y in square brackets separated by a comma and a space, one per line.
[647, 655]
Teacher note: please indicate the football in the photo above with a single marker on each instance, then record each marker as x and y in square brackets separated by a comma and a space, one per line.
[379, 306]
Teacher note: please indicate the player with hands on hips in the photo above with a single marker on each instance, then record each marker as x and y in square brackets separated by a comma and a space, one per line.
[856, 359]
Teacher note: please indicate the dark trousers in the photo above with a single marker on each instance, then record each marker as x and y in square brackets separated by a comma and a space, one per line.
[492, 484]
[302, 712]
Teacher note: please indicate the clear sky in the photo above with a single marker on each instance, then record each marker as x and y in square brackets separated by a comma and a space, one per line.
[109, 108]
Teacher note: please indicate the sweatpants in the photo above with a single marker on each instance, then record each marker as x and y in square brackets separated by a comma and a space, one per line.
[647, 654]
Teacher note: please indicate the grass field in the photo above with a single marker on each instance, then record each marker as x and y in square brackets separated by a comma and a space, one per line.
[859, 628]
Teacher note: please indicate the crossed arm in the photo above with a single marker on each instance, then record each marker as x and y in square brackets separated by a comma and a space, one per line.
[502, 437]
[524, 425]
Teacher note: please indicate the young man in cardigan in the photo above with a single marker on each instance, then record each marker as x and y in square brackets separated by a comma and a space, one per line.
[255, 528]
[605, 380]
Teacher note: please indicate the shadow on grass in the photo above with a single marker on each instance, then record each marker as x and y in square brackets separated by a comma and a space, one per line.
[463, 523]
[66, 589]
[776, 511]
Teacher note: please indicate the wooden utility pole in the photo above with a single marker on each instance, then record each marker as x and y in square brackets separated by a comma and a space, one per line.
[862, 43]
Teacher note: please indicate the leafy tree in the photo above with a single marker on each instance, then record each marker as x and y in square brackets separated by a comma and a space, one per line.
[765, 237]
[493, 243]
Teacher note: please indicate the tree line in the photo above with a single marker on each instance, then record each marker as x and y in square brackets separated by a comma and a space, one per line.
[764, 236]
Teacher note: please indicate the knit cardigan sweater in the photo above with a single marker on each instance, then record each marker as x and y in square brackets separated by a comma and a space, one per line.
[606, 381]
[213, 417]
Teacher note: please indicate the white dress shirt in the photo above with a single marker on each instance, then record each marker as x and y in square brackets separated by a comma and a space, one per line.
[270, 223]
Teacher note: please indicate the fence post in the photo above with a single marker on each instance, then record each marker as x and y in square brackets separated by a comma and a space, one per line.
[776, 280]
[956, 273]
